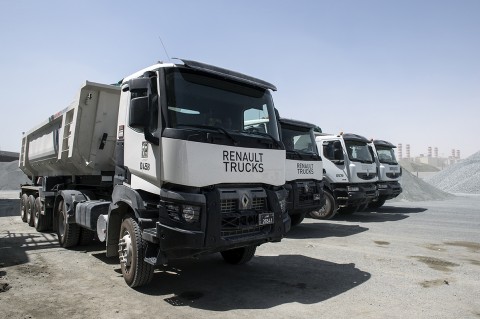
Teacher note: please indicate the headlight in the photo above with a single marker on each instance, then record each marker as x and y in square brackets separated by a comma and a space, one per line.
[353, 188]
[191, 214]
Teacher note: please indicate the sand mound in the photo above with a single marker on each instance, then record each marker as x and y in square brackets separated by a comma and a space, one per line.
[461, 177]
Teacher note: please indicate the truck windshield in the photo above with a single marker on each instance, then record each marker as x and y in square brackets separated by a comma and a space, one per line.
[386, 155]
[358, 151]
[203, 101]
[298, 139]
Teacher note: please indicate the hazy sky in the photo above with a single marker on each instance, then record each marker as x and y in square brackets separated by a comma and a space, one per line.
[404, 71]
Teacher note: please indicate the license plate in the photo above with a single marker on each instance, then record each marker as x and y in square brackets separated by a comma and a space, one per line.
[265, 218]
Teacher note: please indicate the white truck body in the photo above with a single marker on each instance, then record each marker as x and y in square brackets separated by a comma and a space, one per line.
[389, 172]
[350, 170]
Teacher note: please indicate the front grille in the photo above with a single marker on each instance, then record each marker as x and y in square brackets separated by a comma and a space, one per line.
[366, 176]
[239, 212]
[306, 192]
[393, 175]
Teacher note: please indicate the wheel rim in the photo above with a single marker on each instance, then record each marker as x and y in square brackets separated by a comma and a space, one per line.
[125, 251]
[325, 210]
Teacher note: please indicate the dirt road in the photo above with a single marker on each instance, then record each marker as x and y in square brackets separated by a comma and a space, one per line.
[407, 260]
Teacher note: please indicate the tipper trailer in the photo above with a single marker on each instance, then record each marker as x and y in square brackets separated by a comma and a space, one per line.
[388, 171]
[349, 173]
[160, 167]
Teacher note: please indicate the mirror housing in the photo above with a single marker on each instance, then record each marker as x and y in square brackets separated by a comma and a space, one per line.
[138, 115]
[136, 85]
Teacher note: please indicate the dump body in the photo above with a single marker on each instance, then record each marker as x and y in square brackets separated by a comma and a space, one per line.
[79, 140]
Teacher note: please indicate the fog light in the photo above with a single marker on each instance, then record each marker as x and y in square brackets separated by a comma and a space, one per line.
[352, 189]
[191, 214]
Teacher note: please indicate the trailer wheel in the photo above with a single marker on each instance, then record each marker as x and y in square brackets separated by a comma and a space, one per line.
[68, 234]
[31, 211]
[23, 208]
[296, 219]
[136, 272]
[379, 203]
[328, 210]
[239, 256]
[41, 223]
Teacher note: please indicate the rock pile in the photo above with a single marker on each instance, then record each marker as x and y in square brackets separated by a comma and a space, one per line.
[11, 177]
[461, 177]
[415, 189]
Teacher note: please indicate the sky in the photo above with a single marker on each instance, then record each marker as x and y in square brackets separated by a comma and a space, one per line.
[403, 71]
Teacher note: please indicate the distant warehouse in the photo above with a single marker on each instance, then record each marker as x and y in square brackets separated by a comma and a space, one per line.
[8, 156]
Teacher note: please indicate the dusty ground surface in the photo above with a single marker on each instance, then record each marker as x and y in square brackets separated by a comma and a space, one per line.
[406, 260]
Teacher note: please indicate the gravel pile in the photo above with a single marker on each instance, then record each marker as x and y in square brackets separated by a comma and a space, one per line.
[11, 177]
[417, 167]
[415, 189]
[461, 177]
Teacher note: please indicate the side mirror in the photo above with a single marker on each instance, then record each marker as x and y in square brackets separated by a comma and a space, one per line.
[138, 117]
[135, 85]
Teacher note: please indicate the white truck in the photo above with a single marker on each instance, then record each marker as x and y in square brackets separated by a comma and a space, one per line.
[160, 167]
[304, 169]
[388, 171]
[350, 173]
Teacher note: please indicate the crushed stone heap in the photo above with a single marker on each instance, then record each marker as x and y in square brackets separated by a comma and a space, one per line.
[461, 177]
[415, 189]
[11, 177]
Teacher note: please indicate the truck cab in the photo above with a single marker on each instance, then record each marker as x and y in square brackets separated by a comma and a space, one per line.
[303, 169]
[350, 173]
[388, 170]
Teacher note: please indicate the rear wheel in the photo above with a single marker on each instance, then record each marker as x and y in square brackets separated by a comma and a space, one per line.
[41, 222]
[239, 256]
[68, 234]
[136, 272]
[328, 210]
[31, 211]
[23, 208]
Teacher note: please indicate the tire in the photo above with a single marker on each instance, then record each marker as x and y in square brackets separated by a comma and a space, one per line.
[379, 203]
[31, 211]
[87, 237]
[136, 272]
[68, 234]
[328, 210]
[23, 208]
[41, 222]
[296, 219]
[239, 256]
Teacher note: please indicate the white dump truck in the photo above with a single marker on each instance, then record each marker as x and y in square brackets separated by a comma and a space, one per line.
[160, 167]
[350, 174]
[304, 169]
[388, 171]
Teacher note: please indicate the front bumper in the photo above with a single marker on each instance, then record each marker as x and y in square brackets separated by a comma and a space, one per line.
[388, 190]
[225, 223]
[304, 196]
[363, 194]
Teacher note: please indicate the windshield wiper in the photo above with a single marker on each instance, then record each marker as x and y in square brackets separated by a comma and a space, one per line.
[213, 128]
[262, 134]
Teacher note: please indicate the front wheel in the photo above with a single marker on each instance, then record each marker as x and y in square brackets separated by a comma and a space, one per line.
[296, 219]
[136, 272]
[239, 256]
[377, 204]
[328, 210]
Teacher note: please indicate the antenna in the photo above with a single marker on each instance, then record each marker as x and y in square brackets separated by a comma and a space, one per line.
[166, 53]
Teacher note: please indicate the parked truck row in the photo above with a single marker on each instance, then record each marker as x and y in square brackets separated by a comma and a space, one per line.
[182, 160]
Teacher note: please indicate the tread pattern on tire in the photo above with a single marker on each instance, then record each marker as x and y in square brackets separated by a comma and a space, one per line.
[31, 211]
[143, 272]
[42, 222]
[71, 235]
[23, 208]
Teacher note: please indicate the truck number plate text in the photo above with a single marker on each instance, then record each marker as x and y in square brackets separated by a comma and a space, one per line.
[265, 219]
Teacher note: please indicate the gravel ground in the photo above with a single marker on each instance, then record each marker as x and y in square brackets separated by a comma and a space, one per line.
[406, 260]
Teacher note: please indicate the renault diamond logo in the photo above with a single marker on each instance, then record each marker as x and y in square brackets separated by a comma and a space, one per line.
[245, 201]
[306, 188]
